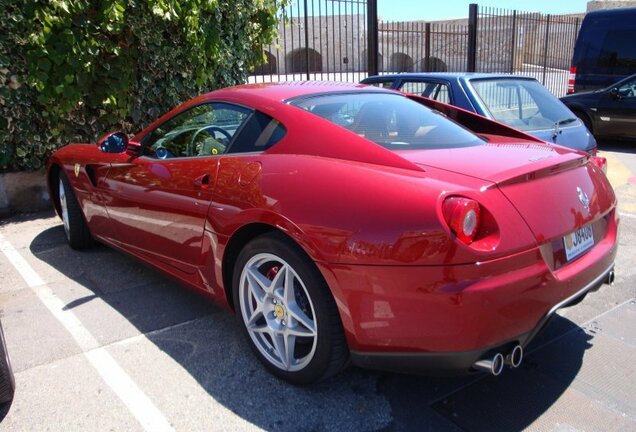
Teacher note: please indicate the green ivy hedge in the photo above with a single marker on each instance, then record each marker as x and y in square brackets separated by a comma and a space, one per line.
[73, 70]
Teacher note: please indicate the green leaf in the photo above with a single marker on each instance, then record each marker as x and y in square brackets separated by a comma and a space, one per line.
[44, 64]
[90, 67]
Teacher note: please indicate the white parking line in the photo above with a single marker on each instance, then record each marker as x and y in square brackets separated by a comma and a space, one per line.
[112, 373]
[627, 215]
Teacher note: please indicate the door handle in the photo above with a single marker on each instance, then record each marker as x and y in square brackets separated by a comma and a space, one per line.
[202, 182]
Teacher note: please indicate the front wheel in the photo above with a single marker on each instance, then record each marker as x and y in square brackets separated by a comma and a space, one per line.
[287, 311]
[75, 227]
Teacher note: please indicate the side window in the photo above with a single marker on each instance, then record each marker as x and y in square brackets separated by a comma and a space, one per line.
[443, 93]
[414, 87]
[203, 130]
[383, 84]
[432, 90]
[259, 133]
[628, 89]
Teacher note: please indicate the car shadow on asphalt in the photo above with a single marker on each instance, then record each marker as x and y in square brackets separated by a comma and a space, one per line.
[624, 146]
[205, 341]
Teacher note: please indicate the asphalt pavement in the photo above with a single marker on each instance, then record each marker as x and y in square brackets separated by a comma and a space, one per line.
[100, 342]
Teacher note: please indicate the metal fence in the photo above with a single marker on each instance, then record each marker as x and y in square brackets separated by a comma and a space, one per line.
[329, 40]
[317, 39]
[420, 46]
[530, 44]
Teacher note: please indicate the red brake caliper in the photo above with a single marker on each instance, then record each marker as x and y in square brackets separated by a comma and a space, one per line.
[271, 273]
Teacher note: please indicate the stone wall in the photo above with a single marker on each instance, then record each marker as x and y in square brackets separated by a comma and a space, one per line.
[23, 192]
[609, 4]
[337, 44]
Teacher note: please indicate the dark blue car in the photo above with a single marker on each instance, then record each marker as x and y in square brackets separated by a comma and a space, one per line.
[517, 101]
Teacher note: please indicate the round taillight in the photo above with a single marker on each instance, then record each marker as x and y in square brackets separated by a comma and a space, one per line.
[469, 225]
[463, 217]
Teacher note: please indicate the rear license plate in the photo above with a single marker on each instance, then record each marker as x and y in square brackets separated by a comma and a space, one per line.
[578, 242]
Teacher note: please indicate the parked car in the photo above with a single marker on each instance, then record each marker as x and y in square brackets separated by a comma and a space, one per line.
[342, 221]
[605, 51]
[7, 380]
[520, 102]
[609, 112]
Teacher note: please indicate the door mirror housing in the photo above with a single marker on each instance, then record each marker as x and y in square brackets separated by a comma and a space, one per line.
[114, 142]
[614, 93]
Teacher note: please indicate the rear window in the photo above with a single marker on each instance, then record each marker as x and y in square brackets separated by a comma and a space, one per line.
[522, 104]
[390, 120]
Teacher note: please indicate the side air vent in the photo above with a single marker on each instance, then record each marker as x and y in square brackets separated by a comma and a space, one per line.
[90, 171]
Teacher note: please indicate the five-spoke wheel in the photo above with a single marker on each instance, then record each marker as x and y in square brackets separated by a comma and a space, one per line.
[277, 312]
[288, 313]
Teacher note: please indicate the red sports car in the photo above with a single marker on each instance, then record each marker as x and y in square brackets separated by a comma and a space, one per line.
[349, 223]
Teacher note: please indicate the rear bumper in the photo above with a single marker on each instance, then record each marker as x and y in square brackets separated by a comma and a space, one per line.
[444, 318]
[454, 363]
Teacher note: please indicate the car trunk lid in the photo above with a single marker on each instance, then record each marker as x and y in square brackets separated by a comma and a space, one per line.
[555, 190]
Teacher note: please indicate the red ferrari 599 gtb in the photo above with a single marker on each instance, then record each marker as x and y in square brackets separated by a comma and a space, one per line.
[349, 223]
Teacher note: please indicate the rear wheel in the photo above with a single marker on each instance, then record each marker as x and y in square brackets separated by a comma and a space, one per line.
[287, 312]
[75, 228]
[7, 381]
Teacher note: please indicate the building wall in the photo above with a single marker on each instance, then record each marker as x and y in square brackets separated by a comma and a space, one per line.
[609, 4]
[337, 43]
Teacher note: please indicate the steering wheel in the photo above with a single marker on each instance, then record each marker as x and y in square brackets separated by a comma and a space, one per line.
[209, 129]
[163, 153]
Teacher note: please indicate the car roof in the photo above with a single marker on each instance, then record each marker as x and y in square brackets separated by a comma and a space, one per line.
[447, 75]
[283, 91]
[266, 97]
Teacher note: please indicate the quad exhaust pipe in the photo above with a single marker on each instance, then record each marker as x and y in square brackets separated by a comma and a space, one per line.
[515, 357]
[495, 364]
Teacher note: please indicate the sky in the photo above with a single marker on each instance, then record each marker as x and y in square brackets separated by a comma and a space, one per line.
[431, 10]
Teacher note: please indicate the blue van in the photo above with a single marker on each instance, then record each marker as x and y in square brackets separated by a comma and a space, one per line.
[605, 50]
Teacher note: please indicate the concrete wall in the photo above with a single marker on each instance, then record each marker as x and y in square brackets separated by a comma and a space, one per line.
[23, 192]
[337, 43]
[609, 4]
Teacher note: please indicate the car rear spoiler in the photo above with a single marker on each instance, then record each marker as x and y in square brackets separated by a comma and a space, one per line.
[470, 120]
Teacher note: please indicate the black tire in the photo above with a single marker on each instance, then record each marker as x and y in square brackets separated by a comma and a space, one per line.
[7, 380]
[586, 121]
[76, 230]
[331, 352]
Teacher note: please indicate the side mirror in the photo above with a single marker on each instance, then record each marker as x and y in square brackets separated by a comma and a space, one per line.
[114, 142]
[614, 93]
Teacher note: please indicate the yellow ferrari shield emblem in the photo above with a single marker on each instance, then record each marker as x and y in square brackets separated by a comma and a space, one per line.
[77, 169]
[279, 312]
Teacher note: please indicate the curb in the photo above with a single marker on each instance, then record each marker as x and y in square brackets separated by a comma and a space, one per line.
[23, 192]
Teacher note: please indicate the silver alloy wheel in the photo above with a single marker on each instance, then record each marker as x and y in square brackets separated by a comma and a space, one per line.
[64, 208]
[278, 312]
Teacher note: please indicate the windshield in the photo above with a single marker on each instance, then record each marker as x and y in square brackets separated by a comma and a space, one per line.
[523, 104]
[390, 120]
